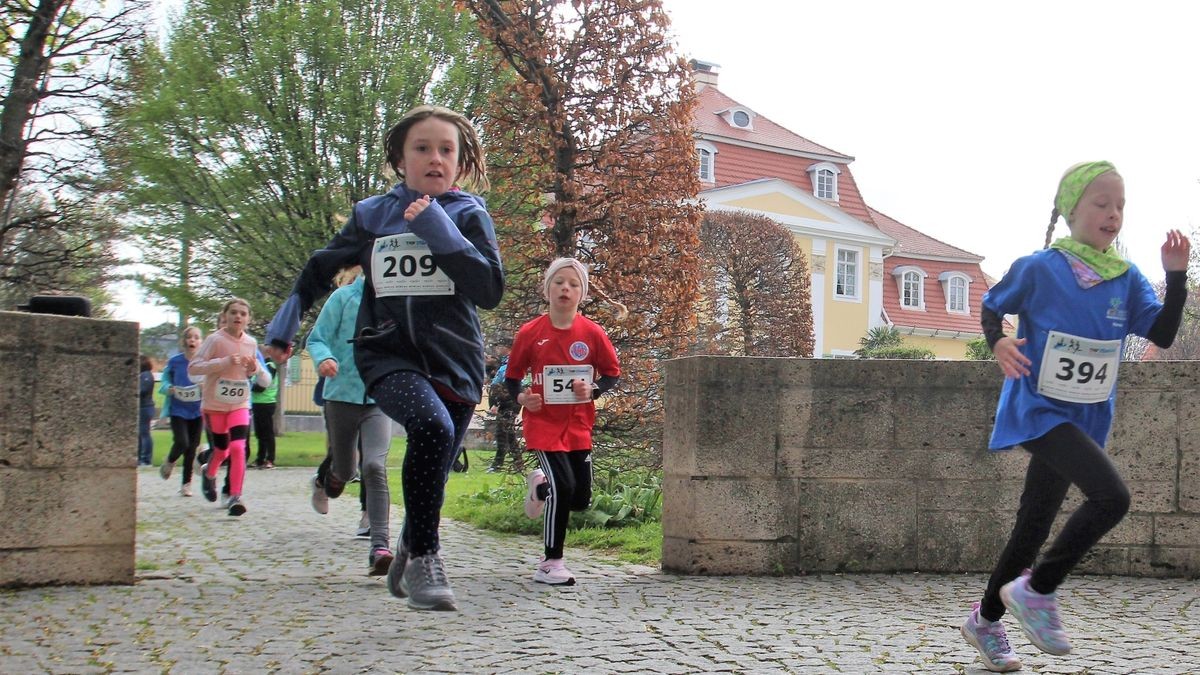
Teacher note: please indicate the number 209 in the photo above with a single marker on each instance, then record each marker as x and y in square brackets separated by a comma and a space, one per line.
[407, 266]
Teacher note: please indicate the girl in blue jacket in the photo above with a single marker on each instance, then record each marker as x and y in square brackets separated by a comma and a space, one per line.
[183, 407]
[430, 258]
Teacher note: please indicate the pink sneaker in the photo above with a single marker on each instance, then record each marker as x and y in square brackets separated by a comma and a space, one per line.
[553, 572]
[991, 641]
[1037, 614]
[533, 505]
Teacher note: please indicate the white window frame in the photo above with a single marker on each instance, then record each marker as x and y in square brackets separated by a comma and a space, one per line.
[906, 275]
[728, 115]
[837, 272]
[824, 177]
[704, 148]
[947, 280]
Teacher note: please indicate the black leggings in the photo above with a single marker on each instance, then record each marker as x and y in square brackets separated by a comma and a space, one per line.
[1062, 457]
[186, 438]
[435, 428]
[263, 415]
[568, 488]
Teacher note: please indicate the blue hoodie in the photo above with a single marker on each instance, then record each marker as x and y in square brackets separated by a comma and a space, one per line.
[330, 339]
[438, 336]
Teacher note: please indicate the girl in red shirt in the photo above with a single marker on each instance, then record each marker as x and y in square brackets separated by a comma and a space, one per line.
[572, 362]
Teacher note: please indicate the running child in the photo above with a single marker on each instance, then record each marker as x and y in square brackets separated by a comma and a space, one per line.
[572, 363]
[183, 409]
[1076, 301]
[228, 361]
[429, 255]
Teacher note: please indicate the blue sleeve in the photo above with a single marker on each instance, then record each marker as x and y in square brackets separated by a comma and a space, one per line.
[1008, 296]
[467, 253]
[316, 281]
[1144, 305]
[325, 329]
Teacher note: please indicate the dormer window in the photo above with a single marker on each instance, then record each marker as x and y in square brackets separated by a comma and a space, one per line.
[706, 153]
[741, 118]
[824, 177]
[910, 281]
[957, 286]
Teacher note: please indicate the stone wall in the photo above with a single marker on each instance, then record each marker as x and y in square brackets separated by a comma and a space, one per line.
[799, 465]
[68, 449]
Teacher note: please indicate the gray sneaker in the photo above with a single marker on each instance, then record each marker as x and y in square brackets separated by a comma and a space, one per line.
[320, 502]
[396, 570]
[165, 469]
[424, 582]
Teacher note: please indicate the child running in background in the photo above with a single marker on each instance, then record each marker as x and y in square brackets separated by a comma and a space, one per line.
[183, 408]
[263, 402]
[572, 363]
[353, 422]
[1076, 301]
[429, 253]
[228, 360]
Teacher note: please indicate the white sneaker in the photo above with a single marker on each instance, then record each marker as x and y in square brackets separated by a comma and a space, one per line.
[186, 490]
[533, 505]
[320, 500]
[553, 572]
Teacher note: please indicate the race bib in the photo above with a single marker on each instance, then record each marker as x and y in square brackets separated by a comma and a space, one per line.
[401, 264]
[1078, 370]
[558, 383]
[233, 391]
[186, 394]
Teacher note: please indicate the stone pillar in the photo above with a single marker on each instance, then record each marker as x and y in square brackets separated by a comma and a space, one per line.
[68, 449]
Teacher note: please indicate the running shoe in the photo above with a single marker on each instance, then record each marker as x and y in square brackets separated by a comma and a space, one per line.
[425, 583]
[533, 505]
[1037, 614]
[364, 527]
[320, 502]
[208, 486]
[553, 572]
[236, 507]
[991, 641]
[165, 469]
[380, 561]
[186, 490]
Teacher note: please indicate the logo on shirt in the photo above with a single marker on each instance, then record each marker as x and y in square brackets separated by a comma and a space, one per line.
[1115, 312]
[542, 341]
[579, 350]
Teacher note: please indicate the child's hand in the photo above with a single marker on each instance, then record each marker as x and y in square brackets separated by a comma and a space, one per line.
[1009, 356]
[328, 368]
[531, 401]
[414, 209]
[583, 390]
[251, 365]
[278, 355]
[1176, 252]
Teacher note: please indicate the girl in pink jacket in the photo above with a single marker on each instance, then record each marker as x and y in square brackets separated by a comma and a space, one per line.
[227, 360]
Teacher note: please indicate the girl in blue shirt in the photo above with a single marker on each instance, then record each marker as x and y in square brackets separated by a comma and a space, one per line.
[183, 407]
[1076, 301]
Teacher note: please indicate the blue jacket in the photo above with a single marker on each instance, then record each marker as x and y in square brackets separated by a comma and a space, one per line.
[176, 375]
[330, 339]
[438, 336]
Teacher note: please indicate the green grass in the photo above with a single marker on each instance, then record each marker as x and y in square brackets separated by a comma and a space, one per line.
[490, 501]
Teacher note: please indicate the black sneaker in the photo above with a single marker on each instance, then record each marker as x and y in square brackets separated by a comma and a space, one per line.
[208, 486]
[236, 507]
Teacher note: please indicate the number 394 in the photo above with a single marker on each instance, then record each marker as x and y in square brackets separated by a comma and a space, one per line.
[1082, 372]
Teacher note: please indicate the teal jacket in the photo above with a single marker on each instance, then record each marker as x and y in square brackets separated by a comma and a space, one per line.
[329, 339]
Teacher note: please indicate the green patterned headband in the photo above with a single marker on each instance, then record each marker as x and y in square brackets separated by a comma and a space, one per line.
[1074, 182]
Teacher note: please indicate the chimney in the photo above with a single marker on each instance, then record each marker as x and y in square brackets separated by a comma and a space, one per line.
[704, 73]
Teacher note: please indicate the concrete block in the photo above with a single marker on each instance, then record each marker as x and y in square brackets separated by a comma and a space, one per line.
[973, 497]
[1165, 561]
[1105, 560]
[1134, 530]
[16, 402]
[746, 509]
[678, 507]
[849, 463]
[74, 507]
[959, 541]
[1176, 530]
[837, 418]
[857, 526]
[683, 556]
[63, 565]
[944, 418]
[969, 464]
[86, 411]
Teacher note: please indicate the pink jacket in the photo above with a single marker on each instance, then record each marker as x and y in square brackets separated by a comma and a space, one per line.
[226, 387]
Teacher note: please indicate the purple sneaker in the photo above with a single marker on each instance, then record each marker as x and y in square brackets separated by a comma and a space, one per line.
[1037, 614]
[991, 641]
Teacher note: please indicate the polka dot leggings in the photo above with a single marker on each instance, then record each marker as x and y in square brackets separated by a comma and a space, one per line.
[435, 429]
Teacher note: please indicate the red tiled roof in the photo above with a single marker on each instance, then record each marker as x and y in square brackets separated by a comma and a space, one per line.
[736, 164]
[711, 102]
[912, 242]
[934, 316]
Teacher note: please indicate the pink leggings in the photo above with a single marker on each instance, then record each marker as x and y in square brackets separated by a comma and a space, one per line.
[229, 433]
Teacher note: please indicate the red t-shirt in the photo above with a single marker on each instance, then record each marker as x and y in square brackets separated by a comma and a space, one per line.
[564, 426]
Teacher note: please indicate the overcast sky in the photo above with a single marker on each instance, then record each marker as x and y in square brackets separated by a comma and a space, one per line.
[961, 115]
